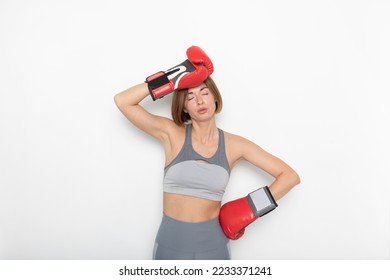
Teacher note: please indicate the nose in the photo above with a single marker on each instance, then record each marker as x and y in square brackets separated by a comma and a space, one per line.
[199, 100]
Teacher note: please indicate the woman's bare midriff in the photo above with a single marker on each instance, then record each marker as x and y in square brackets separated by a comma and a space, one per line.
[190, 209]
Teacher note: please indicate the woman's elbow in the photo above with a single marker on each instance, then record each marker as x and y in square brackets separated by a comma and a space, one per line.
[294, 177]
[117, 100]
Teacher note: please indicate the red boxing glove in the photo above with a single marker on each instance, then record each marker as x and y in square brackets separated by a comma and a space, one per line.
[235, 215]
[189, 73]
[198, 57]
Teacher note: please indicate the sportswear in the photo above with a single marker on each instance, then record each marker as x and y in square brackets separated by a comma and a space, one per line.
[178, 240]
[194, 175]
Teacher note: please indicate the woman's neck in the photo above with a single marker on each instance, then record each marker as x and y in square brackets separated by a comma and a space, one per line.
[205, 131]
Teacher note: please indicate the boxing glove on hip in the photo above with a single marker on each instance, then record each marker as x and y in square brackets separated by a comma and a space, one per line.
[236, 215]
[190, 73]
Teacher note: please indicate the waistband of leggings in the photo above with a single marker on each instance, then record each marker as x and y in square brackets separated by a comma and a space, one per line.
[212, 221]
[193, 237]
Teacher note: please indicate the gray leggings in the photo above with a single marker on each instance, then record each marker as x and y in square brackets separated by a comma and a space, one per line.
[177, 240]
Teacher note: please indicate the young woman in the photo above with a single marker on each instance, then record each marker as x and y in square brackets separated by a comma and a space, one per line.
[198, 159]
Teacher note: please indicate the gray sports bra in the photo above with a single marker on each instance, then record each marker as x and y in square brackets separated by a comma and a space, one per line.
[194, 175]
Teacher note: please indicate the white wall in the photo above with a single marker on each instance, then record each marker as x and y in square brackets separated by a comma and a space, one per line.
[306, 80]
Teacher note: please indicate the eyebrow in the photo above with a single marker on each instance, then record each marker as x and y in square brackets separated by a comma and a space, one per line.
[190, 92]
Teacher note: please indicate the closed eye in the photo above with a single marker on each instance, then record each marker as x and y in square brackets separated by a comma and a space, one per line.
[204, 91]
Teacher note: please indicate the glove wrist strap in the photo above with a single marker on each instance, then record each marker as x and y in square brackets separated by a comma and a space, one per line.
[261, 201]
[158, 84]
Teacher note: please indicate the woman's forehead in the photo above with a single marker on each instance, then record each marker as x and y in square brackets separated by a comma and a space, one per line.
[197, 88]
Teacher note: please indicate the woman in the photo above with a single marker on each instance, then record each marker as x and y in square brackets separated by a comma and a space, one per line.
[198, 159]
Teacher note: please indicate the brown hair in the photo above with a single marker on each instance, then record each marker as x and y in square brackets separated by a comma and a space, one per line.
[179, 98]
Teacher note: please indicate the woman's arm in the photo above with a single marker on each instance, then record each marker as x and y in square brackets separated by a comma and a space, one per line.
[285, 177]
[128, 103]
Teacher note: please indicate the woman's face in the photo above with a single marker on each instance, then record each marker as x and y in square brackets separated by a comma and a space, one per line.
[200, 103]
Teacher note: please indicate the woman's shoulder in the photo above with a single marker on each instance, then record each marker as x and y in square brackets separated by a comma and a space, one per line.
[235, 147]
[238, 143]
[175, 130]
[169, 125]
[233, 138]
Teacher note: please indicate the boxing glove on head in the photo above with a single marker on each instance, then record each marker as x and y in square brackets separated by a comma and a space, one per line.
[189, 73]
[198, 57]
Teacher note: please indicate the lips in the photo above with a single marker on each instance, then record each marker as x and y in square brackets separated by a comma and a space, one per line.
[202, 110]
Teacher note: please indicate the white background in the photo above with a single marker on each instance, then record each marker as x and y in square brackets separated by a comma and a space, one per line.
[306, 80]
